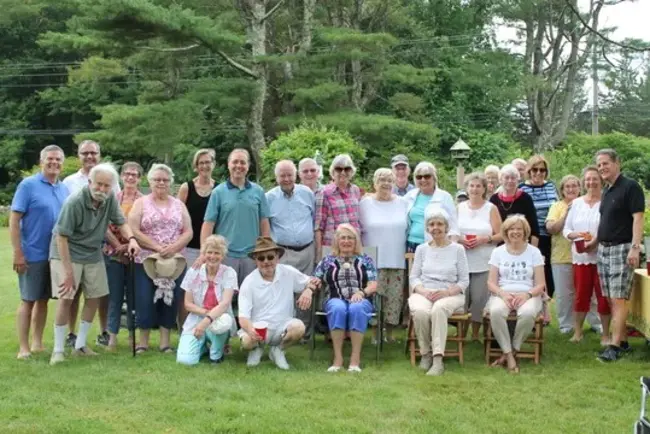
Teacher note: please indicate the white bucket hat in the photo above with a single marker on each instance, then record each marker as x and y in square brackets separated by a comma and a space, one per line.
[158, 267]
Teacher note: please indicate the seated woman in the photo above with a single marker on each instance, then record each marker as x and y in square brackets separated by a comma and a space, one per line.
[516, 282]
[208, 293]
[439, 278]
[351, 278]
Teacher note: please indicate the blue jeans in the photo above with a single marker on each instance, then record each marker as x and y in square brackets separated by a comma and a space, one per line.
[149, 314]
[116, 273]
[343, 315]
[190, 349]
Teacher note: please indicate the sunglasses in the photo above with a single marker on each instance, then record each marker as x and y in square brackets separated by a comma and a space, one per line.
[263, 258]
[342, 169]
[420, 177]
[309, 170]
[538, 170]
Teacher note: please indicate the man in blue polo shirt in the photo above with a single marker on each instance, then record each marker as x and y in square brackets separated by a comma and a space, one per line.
[238, 211]
[34, 211]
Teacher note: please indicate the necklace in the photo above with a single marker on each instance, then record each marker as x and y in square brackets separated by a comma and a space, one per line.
[346, 262]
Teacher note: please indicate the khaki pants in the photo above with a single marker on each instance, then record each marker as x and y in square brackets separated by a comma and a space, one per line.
[526, 315]
[430, 321]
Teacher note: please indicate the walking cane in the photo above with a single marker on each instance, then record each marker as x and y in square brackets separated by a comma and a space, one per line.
[130, 301]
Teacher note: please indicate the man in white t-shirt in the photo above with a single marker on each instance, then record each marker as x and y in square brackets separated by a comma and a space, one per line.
[89, 155]
[266, 304]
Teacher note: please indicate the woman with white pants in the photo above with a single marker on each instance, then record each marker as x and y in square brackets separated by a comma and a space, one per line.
[438, 279]
[517, 283]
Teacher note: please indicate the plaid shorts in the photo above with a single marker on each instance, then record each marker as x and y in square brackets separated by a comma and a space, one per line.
[614, 272]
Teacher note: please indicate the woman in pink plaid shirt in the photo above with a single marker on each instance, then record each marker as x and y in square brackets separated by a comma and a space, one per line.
[337, 202]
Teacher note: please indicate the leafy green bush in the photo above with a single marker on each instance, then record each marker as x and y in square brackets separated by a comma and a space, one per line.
[4, 219]
[303, 142]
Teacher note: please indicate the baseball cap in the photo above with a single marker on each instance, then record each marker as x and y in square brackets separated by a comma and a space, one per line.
[461, 193]
[399, 159]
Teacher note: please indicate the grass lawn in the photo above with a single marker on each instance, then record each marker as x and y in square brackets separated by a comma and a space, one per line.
[570, 392]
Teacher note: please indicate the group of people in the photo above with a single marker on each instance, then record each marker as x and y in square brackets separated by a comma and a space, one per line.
[230, 260]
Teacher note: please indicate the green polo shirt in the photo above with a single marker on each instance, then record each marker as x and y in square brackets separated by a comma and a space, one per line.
[236, 213]
[85, 226]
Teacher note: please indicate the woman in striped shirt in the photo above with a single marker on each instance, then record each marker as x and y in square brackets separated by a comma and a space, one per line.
[544, 194]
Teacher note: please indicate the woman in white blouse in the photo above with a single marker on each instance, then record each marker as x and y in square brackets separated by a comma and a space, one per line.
[384, 222]
[438, 279]
[517, 282]
[479, 223]
[582, 223]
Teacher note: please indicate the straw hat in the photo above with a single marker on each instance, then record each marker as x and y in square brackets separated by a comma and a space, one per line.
[158, 267]
[265, 244]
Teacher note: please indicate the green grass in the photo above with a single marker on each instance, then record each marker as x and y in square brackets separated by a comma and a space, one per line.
[569, 392]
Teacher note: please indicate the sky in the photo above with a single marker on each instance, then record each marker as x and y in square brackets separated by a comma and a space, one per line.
[630, 18]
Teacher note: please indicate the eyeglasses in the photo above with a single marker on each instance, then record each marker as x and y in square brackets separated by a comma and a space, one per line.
[130, 175]
[538, 170]
[204, 163]
[420, 177]
[160, 180]
[342, 169]
[309, 170]
[87, 153]
[263, 258]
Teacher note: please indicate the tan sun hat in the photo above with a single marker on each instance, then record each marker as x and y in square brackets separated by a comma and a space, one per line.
[265, 244]
[158, 267]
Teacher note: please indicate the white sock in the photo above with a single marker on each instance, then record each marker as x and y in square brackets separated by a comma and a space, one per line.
[84, 328]
[59, 338]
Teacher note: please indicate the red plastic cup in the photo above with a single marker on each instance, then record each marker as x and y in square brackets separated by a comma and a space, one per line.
[261, 327]
[580, 245]
[470, 237]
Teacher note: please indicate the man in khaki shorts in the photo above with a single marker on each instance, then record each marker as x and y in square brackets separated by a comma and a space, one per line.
[76, 261]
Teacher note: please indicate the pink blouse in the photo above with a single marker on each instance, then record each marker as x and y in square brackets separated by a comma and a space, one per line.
[162, 224]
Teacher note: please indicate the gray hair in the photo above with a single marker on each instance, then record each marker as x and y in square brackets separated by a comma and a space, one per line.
[105, 168]
[243, 151]
[381, 173]
[492, 168]
[440, 215]
[51, 148]
[519, 161]
[159, 166]
[342, 160]
[508, 169]
[89, 142]
[132, 165]
[426, 168]
[476, 176]
[306, 161]
[284, 162]
[608, 152]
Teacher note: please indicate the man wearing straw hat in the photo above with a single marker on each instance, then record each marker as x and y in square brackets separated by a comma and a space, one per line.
[76, 259]
[266, 304]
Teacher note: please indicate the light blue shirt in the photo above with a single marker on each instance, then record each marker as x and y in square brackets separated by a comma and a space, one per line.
[416, 219]
[40, 204]
[237, 213]
[292, 217]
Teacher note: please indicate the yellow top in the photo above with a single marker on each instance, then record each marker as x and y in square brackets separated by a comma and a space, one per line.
[560, 246]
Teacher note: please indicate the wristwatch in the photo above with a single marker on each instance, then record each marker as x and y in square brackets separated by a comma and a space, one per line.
[636, 246]
[530, 295]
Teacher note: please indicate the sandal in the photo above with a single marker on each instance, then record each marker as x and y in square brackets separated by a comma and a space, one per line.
[167, 350]
[140, 350]
[500, 362]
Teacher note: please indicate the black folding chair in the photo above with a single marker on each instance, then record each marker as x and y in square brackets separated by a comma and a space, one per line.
[130, 302]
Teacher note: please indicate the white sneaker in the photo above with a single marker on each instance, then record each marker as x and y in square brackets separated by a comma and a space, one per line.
[437, 368]
[255, 356]
[277, 356]
[57, 358]
[426, 361]
[334, 368]
[354, 368]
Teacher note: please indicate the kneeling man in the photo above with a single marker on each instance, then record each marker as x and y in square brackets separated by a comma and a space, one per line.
[266, 304]
[76, 259]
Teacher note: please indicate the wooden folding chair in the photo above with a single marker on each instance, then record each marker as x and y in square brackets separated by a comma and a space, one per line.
[318, 312]
[536, 340]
